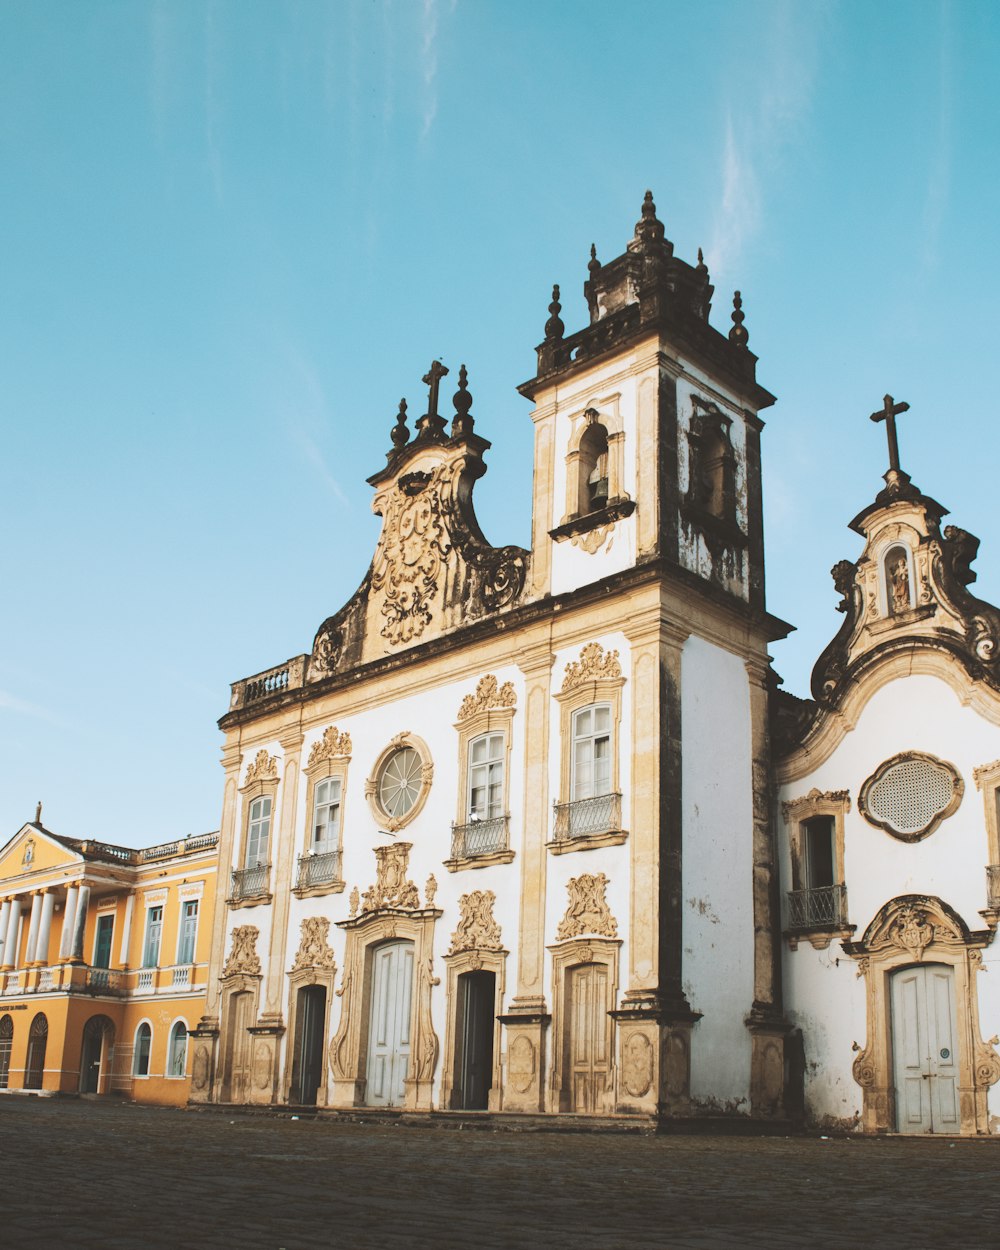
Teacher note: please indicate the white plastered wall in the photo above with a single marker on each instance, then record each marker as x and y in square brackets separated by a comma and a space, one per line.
[716, 789]
[823, 994]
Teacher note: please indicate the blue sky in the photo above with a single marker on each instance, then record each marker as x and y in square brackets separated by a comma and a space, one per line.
[234, 234]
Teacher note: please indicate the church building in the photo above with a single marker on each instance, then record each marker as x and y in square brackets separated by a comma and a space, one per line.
[533, 831]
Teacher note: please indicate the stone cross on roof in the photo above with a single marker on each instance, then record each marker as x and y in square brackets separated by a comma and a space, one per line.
[888, 413]
[433, 422]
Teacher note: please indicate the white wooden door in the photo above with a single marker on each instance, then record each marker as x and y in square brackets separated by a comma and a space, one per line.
[924, 1050]
[389, 1024]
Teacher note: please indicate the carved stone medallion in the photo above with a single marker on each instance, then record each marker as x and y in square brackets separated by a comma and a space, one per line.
[243, 957]
[637, 1065]
[477, 929]
[314, 950]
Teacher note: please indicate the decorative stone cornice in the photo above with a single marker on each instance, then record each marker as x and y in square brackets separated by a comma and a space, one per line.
[489, 694]
[594, 665]
[814, 803]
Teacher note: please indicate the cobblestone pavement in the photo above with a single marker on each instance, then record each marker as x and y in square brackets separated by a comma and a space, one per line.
[89, 1174]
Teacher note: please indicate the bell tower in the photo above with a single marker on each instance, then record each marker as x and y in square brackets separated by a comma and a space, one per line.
[647, 434]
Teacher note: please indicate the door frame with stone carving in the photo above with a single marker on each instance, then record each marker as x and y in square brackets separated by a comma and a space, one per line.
[232, 987]
[349, 1048]
[908, 930]
[565, 957]
[313, 965]
[459, 964]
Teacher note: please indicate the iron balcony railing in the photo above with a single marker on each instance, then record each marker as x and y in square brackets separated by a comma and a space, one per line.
[586, 818]
[105, 981]
[250, 882]
[480, 837]
[993, 885]
[820, 908]
[321, 869]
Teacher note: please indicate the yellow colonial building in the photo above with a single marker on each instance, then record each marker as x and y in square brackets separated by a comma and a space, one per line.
[103, 963]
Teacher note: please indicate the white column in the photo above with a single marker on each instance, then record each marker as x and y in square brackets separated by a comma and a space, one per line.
[45, 927]
[10, 947]
[126, 930]
[80, 922]
[4, 916]
[36, 915]
[69, 917]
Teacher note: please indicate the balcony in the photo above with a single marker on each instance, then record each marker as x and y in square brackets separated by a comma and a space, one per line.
[108, 981]
[250, 886]
[318, 874]
[181, 978]
[144, 981]
[824, 907]
[587, 823]
[993, 887]
[479, 843]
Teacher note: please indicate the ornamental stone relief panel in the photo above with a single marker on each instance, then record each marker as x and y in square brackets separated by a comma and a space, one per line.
[243, 957]
[588, 910]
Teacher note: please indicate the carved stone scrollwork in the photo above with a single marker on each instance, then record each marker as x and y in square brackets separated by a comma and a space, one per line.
[391, 888]
[333, 745]
[263, 768]
[477, 929]
[588, 910]
[594, 665]
[243, 957]
[489, 694]
[327, 649]
[314, 950]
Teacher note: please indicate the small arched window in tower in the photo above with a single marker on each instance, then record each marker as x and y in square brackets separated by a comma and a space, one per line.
[898, 591]
[593, 495]
[712, 488]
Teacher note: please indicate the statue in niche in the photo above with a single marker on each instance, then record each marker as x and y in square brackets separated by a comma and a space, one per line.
[898, 581]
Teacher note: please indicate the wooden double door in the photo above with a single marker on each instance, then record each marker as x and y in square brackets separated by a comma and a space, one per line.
[587, 1045]
[924, 1050]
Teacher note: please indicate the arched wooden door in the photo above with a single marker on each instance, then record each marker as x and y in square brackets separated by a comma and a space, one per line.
[95, 1053]
[38, 1038]
[389, 1023]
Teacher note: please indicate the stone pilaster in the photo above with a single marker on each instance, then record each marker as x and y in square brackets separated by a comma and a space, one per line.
[283, 857]
[527, 1020]
[765, 1021]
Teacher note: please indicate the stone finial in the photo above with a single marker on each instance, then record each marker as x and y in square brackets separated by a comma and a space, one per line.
[738, 335]
[464, 420]
[554, 327]
[701, 266]
[594, 266]
[649, 229]
[400, 434]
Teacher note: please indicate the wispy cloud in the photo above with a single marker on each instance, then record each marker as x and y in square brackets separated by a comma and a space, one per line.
[22, 707]
[763, 118]
[305, 413]
[429, 63]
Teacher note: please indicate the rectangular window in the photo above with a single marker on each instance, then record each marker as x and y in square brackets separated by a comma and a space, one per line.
[259, 832]
[102, 941]
[326, 816]
[189, 932]
[154, 928]
[486, 777]
[591, 752]
[817, 845]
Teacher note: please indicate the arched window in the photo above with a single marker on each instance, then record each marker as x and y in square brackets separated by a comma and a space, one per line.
[6, 1042]
[898, 590]
[38, 1037]
[177, 1050]
[140, 1057]
[712, 480]
[259, 832]
[593, 469]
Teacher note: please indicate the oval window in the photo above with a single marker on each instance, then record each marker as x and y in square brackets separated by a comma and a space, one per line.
[909, 795]
[399, 782]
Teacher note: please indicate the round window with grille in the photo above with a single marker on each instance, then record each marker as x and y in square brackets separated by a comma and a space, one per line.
[909, 795]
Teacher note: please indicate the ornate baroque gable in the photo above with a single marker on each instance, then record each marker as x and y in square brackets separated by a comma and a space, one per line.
[588, 910]
[263, 768]
[594, 665]
[332, 745]
[314, 949]
[243, 957]
[477, 929]
[489, 695]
